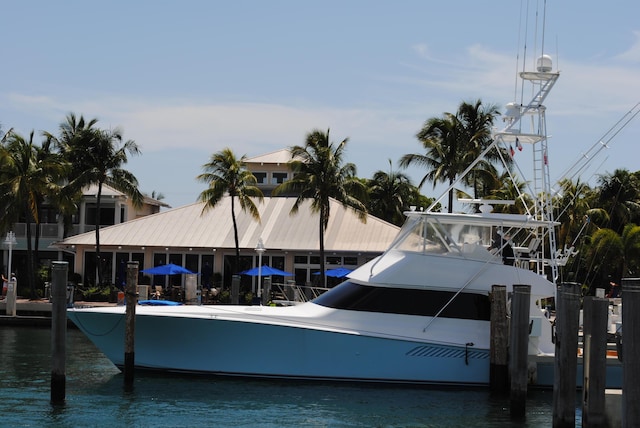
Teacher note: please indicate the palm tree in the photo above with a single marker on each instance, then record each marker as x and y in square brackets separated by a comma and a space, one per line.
[97, 157]
[27, 178]
[390, 193]
[319, 175]
[452, 143]
[71, 133]
[443, 160]
[510, 190]
[574, 206]
[226, 174]
[476, 121]
[631, 245]
[614, 255]
[620, 196]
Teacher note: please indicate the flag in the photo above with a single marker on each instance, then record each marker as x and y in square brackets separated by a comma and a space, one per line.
[546, 159]
[518, 145]
[513, 152]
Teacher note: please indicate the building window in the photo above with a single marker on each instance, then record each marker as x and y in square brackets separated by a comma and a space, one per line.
[261, 177]
[350, 261]
[107, 215]
[334, 260]
[279, 177]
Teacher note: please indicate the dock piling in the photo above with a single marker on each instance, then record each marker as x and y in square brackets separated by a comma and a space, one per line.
[58, 331]
[566, 355]
[630, 352]
[499, 345]
[130, 322]
[594, 361]
[235, 289]
[519, 340]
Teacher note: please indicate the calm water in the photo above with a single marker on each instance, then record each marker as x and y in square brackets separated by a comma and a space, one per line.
[95, 397]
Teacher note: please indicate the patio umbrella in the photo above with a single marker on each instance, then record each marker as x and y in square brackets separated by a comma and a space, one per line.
[266, 271]
[169, 269]
[336, 273]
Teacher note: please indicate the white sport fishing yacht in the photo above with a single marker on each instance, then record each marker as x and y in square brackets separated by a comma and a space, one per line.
[418, 314]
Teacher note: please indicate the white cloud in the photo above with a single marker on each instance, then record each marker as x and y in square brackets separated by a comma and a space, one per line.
[632, 55]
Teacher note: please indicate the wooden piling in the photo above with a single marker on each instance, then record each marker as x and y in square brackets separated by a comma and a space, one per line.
[630, 352]
[11, 306]
[499, 344]
[594, 361]
[235, 289]
[130, 322]
[266, 291]
[58, 331]
[566, 355]
[519, 340]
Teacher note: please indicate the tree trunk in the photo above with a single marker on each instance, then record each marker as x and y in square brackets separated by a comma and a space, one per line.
[235, 235]
[98, 257]
[450, 208]
[321, 237]
[30, 272]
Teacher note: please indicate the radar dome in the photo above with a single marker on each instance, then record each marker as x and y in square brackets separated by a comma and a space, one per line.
[544, 64]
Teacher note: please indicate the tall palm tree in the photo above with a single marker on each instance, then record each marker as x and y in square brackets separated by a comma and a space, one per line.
[452, 143]
[476, 121]
[27, 178]
[71, 133]
[226, 174]
[97, 158]
[390, 194]
[319, 175]
[443, 159]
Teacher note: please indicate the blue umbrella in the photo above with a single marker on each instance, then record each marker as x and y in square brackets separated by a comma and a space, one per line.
[336, 273]
[266, 271]
[169, 269]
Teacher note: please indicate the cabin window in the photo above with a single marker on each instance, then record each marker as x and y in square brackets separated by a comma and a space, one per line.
[406, 301]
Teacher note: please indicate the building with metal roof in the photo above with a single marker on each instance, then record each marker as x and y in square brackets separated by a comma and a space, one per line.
[196, 240]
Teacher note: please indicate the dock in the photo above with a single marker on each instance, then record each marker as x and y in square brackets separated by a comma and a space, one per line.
[35, 313]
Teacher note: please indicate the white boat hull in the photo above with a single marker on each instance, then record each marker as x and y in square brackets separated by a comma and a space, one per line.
[222, 345]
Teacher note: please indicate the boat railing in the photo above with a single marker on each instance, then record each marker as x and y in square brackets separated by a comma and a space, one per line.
[291, 293]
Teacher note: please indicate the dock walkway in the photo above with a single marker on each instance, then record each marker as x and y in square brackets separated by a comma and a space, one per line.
[35, 312]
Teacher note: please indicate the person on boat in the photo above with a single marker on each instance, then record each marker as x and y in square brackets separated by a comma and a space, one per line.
[614, 290]
[502, 243]
[508, 257]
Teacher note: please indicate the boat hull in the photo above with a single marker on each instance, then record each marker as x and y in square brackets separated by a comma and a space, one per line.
[260, 349]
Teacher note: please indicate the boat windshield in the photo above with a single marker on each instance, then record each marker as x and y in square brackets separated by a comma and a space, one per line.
[431, 235]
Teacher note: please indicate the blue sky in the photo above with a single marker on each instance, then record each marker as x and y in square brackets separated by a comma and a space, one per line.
[185, 79]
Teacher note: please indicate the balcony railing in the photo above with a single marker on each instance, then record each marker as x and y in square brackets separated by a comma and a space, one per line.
[47, 230]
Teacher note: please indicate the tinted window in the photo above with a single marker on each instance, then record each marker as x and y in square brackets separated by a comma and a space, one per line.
[406, 301]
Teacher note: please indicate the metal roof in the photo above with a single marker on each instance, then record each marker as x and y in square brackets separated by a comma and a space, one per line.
[281, 156]
[189, 227]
